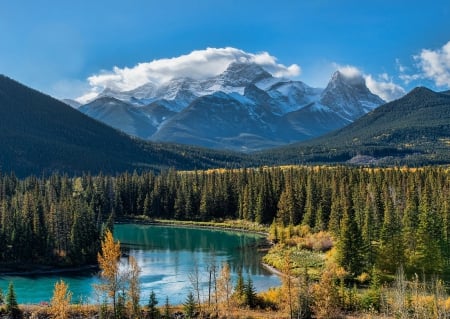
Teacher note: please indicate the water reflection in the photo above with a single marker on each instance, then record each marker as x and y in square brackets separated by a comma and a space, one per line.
[167, 255]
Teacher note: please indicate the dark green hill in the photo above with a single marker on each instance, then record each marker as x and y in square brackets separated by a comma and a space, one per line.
[413, 130]
[39, 134]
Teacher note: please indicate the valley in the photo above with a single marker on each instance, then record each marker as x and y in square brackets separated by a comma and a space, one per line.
[350, 191]
[224, 160]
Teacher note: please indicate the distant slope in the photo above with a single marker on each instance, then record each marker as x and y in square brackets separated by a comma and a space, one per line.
[412, 130]
[139, 121]
[39, 134]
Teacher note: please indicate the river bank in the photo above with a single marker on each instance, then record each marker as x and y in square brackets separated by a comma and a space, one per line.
[232, 225]
[30, 270]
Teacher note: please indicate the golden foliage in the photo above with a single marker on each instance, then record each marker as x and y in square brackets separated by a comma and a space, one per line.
[60, 303]
[108, 261]
[108, 258]
[134, 288]
[224, 288]
[326, 294]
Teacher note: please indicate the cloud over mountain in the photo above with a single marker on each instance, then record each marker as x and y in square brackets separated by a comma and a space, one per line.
[381, 85]
[435, 64]
[199, 64]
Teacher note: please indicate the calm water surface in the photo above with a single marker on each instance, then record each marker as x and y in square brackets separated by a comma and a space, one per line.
[167, 256]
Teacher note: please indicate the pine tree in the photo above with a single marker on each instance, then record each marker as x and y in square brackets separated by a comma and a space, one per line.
[410, 221]
[350, 244]
[153, 312]
[288, 212]
[250, 298]
[391, 248]
[368, 234]
[12, 308]
[239, 288]
[189, 306]
[309, 217]
[428, 257]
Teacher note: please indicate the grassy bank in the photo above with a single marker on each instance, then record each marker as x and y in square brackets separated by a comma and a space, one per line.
[238, 225]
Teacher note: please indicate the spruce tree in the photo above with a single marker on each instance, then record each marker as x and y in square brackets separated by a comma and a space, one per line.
[428, 258]
[153, 312]
[189, 306]
[239, 289]
[250, 293]
[391, 248]
[350, 244]
[12, 308]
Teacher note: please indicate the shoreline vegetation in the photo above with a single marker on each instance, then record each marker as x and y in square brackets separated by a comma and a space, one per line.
[231, 225]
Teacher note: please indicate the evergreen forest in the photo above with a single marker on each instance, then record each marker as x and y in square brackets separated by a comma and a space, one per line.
[380, 218]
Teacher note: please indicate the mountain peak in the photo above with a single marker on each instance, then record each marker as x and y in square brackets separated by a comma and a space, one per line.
[243, 74]
[421, 90]
[348, 95]
[421, 93]
[341, 78]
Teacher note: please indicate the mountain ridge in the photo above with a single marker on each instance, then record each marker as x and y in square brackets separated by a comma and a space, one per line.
[412, 130]
[273, 103]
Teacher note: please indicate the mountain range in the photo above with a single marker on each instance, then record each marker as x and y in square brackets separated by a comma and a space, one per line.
[413, 130]
[41, 135]
[244, 108]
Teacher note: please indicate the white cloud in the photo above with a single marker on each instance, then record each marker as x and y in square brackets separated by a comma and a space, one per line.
[405, 73]
[382, 85]
[408, 78]
[349, 71]
[401, 68]
[199, 64]
[435, 64]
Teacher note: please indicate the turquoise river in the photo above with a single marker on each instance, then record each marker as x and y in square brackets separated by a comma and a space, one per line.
[168, 257]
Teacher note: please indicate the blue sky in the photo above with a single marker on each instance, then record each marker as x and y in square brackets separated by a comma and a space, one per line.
[59, 47]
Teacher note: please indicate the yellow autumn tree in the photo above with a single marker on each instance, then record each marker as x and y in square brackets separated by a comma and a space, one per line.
[60, 303]
[108, 260]
[225, 287]
[289, 288]
[134, 290]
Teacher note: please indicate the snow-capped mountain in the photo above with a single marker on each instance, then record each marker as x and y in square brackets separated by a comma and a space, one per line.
[244, 108]
[349, 96]
[180, 92]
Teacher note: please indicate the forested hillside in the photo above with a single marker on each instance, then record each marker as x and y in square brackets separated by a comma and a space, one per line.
[39, 134]
[413, 130]
[387, 217]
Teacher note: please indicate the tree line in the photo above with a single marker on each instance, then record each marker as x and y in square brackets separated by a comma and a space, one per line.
[379, 217]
